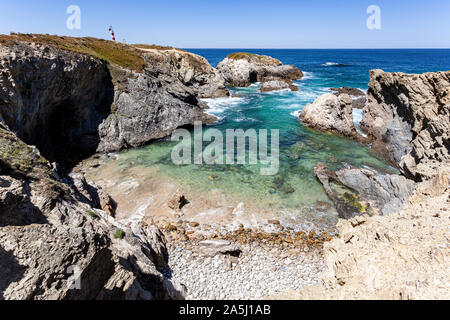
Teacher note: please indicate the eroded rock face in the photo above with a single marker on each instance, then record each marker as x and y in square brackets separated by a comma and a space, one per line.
[153, 104]
[330, 113]
[243, 69]
[55, 244]
[408, 115]
[54, 99]
[358, 96]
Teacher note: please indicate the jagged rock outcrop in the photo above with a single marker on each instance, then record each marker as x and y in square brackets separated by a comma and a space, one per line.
[408, 116]
[330, 113]
[55, 243]
[81, 104]
[243, 69]
[192, 70]
[364, 191]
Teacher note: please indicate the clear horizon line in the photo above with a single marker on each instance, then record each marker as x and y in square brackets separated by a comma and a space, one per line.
[225, 48]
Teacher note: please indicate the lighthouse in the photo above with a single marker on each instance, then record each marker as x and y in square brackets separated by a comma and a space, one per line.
[113, 37]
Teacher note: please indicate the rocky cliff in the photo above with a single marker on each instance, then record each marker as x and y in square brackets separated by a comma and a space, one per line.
[408, 116]
[243, 69]
[62, 99]
[57, 243]
[83, 95]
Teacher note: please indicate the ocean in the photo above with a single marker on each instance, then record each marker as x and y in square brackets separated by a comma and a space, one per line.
[294, 191]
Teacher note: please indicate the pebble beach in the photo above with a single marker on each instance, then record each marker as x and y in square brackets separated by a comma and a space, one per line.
[259, 272]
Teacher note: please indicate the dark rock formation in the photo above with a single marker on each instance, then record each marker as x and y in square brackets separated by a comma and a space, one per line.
[70, 104]
[364, 191]
[243, 69]
[54, 99]
[408, 117]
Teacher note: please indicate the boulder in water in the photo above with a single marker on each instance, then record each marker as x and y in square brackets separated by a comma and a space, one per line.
[330, 113]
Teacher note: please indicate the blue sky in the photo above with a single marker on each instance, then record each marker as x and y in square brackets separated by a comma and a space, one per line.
[242, 23]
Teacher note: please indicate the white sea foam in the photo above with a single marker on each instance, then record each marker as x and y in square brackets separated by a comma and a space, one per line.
[327, 64]
[364, 90]
[274, 92]
[247, 119]
[333, 64]
[296, 114]
[219, 105]
[357, 118]
[307, 75]
[309, 95]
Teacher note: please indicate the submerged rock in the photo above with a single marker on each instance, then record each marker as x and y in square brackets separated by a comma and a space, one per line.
[178, 201]
[408, 117]
[243, 69]
[330, 113]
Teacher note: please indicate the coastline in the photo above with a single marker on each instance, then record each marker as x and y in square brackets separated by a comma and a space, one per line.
[139, 235]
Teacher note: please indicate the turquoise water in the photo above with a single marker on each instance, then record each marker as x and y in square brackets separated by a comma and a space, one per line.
[294, 188]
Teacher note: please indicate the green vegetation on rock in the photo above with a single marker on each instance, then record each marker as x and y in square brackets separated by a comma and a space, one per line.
[119, 234]
[92, 214]
[242, 55]
[19, 158]
[253, 57]
[156, 47]
[117, 53]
